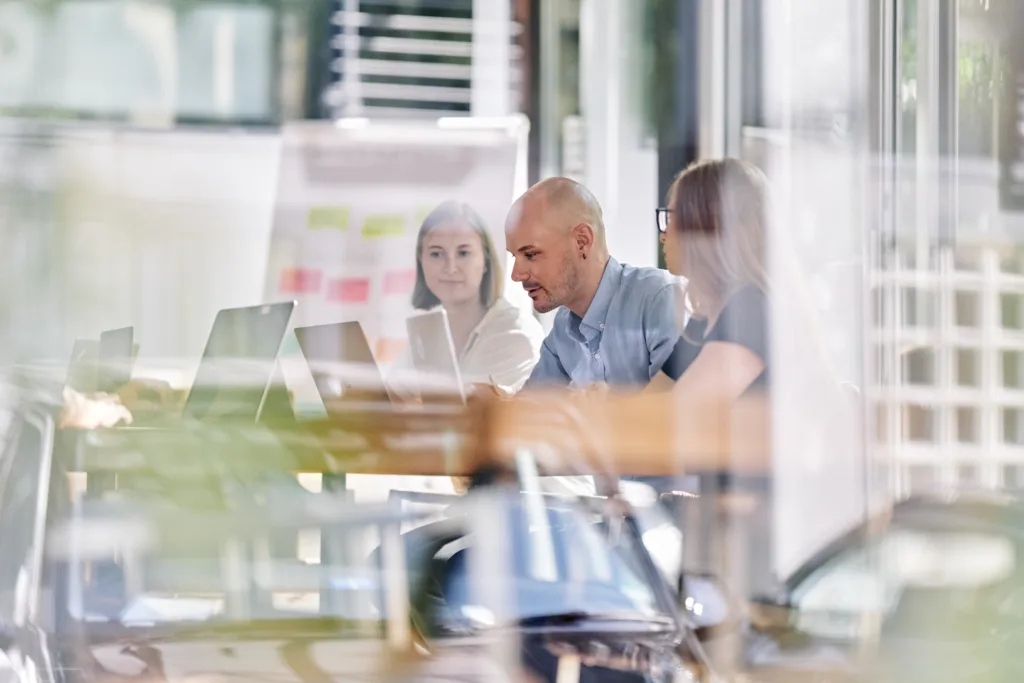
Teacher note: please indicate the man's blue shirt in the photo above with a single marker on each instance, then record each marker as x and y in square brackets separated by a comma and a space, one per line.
[625, 337]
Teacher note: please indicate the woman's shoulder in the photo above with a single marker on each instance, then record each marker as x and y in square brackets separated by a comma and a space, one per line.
[507, 316]
[746, 303]
[748, 295]
[744, 318]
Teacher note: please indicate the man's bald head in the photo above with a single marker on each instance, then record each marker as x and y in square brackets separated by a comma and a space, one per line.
[563, 203]
[555, 231]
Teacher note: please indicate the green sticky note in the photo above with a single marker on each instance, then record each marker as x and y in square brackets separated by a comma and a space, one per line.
[328, 218]
[384, 225]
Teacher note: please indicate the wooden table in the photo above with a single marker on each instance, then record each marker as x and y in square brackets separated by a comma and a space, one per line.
[614, 435]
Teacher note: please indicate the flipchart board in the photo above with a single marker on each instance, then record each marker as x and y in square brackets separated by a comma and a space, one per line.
[351, 196]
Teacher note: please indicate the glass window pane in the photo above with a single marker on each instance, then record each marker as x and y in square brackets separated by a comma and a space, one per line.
[225, 62]
[968, 367]
[919, 366]
[150, 61]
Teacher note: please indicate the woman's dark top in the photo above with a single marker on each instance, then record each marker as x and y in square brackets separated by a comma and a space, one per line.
[743, 321]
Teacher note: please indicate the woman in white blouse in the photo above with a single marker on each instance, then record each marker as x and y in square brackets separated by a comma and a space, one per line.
[457, 267]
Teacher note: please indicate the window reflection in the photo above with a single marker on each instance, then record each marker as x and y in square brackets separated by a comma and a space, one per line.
[141, 61]
[898, 571]
[595, 570]
[958, 248]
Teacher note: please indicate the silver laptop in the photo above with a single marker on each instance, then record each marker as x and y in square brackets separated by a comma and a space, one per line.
[433, 355]
[239, 362]
[341, 362]
[117, 351]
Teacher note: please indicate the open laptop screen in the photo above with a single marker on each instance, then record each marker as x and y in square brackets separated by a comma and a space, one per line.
[115, 359]
[341, 362]
[433, 355]
[239, 362]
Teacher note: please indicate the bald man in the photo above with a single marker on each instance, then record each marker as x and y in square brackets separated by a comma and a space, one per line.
[617, 323]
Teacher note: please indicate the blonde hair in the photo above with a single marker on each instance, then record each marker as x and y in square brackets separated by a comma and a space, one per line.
[447, 213]
[720, 211]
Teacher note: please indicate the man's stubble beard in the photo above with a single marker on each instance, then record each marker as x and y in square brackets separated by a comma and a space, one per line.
[567, 287]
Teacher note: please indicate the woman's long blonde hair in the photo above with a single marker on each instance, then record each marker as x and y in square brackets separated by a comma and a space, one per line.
[720, 210]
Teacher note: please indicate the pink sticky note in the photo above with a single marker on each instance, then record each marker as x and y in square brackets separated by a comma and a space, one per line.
[349, 290]
[300, 281]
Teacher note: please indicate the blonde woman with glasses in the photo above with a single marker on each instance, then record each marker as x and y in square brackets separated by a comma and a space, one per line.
[713, 232]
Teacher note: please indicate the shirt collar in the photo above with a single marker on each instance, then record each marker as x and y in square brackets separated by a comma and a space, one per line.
[594, 319]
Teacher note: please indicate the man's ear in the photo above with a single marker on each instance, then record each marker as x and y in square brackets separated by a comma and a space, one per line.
[583, 235]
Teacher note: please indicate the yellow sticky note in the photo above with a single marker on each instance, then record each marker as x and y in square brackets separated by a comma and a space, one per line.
[384, 225]
[328, 218]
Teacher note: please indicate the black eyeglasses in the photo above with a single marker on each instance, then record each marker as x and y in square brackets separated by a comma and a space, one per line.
[662, 213]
